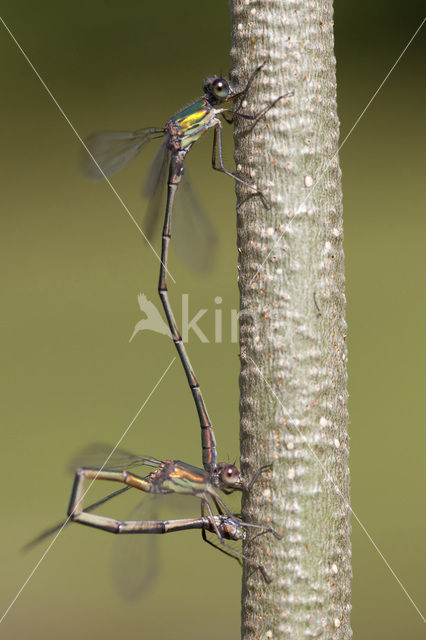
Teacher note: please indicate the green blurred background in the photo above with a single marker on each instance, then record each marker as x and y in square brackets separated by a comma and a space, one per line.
[73, 264]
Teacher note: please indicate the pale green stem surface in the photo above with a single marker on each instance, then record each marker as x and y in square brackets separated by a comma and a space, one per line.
[293, 378]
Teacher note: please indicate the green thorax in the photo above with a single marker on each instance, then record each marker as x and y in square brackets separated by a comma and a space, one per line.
[193, 121]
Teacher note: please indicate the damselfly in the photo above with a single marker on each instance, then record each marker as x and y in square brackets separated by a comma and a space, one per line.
[109, 152]
[168, 477]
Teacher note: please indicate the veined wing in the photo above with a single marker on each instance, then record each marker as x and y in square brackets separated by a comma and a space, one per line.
[136, 558]
[110, 151]
[193, 236]
[154, 188]
[99, 455]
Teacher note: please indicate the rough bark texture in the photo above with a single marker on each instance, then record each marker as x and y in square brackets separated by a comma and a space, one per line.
[292, 328]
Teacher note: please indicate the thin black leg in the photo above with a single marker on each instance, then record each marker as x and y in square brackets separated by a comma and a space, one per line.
[217, 154]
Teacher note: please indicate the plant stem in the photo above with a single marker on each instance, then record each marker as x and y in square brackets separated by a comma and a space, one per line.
[293, 379]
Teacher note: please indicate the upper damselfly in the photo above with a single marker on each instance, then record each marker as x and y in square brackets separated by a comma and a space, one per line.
[110, 152]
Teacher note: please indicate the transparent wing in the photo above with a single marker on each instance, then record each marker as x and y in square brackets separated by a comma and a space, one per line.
[155, 188]
[136, 558]
[112, 150]
[99, 455]
[193, 235]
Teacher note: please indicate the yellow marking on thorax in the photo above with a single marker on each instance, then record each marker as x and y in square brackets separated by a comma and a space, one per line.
[195, 117]
[184, 474]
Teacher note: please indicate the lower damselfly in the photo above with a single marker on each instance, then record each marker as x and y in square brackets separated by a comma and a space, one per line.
[111, 151]
[168, 477]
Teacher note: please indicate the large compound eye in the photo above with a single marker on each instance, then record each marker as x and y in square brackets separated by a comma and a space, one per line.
[230, 476]
[220, 88]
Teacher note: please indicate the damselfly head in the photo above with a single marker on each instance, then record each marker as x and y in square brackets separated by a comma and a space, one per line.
[229, 477]
[231, 529]
[216, 89]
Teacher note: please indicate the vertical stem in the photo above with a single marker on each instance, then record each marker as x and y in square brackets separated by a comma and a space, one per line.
[292, 325]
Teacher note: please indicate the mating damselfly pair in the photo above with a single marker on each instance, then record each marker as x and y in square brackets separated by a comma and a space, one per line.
[107, 153]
